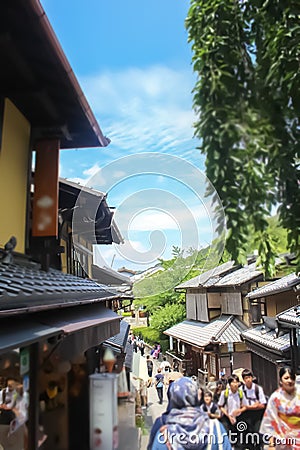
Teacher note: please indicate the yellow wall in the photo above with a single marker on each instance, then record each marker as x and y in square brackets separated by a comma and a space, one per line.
[14, 156]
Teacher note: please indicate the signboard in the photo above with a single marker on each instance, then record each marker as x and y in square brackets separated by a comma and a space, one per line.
[24, 360]
[103, 411]
[230, 347]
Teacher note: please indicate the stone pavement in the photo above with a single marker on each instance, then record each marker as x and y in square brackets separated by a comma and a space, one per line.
[153, 410]
[130, 436]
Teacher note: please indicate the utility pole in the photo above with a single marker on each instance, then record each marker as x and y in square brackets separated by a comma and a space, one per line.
[230, 351]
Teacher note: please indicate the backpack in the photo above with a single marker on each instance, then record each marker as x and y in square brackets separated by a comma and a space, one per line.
[226, 394]
[256, 390]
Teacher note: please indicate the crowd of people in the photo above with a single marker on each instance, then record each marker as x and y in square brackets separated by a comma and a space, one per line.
[230, 413]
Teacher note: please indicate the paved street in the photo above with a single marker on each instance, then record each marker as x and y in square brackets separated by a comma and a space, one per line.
[153, 411]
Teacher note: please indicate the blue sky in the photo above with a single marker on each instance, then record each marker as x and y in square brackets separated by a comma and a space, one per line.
[133, 63]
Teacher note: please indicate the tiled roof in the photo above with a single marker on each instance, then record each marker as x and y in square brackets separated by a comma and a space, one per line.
[119, 340]
[266, 338]
[25, 288]
[224, 329]
[82, 188]
[281, 285]
[240, 276]
[290, 316]
[108, 276]
[207, 278]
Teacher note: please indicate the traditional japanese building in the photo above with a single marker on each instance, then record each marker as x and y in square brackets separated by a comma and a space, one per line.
[269, 340]
[216, 312]
[50, 320]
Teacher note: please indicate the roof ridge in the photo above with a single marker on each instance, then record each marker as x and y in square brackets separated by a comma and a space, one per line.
[224, 327]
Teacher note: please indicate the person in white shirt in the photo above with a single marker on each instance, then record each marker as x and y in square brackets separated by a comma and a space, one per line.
[8, 395]
[232, 404]
[165, 366]
[256, 405]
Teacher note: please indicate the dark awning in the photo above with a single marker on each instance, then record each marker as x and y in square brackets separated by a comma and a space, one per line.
[79, 328]
[83, 327]
[118, 342]
[17, 333]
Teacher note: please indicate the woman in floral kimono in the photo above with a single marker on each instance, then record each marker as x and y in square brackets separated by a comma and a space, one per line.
[281, 420]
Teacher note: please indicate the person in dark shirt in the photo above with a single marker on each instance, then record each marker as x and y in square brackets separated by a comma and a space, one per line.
[159, 384]
[217, 392]
[149, 366]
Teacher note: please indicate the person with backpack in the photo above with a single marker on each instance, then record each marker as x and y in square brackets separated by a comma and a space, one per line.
[184, 426]
[256, 405]
[232, 404]
[159, 384]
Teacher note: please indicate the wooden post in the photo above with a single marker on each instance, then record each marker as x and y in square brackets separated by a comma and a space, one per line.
[33, 419]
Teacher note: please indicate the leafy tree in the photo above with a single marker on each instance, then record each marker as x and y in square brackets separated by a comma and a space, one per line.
[156, 292]
[167, 316]
[247, 100]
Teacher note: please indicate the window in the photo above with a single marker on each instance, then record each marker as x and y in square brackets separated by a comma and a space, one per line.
[257, 311]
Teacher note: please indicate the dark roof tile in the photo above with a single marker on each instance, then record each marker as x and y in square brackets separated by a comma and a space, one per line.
[27, 287]
[282, 284]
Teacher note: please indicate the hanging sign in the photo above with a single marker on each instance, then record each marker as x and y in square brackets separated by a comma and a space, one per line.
[24, 360]
[103, 411]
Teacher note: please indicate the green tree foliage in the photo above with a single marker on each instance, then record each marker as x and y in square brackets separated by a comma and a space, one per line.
[156, 293]
[152, 336]
[247, 100]
[164, 318]
[174, 271]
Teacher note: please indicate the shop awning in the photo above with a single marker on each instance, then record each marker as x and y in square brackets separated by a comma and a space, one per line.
[118, 342]
[20, 333]
[83, 327]
[79, 328]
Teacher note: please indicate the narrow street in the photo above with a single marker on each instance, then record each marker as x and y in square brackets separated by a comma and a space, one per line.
[153, 410]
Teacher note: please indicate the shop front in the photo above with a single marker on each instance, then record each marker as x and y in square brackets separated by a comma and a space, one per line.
[45, 363]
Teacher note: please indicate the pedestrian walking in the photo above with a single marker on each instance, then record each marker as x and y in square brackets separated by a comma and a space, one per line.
[256, 404]
[159, 384]
[165, 365]
[175, 365]
[223, 379]
[156, 352]
[149, 366]
[185, 424]
[281, 421]
[232, 404]
[217, 392]
[209, 407]
[142, 347]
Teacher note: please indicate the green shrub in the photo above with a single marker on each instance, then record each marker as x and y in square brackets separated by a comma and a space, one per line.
[152, 336]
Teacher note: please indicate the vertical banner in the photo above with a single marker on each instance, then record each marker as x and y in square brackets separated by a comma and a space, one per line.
[45, 198]
[103, 411]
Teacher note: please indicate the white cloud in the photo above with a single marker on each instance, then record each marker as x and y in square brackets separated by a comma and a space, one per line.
[151, 221]
[92, 170]
[144, 109]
